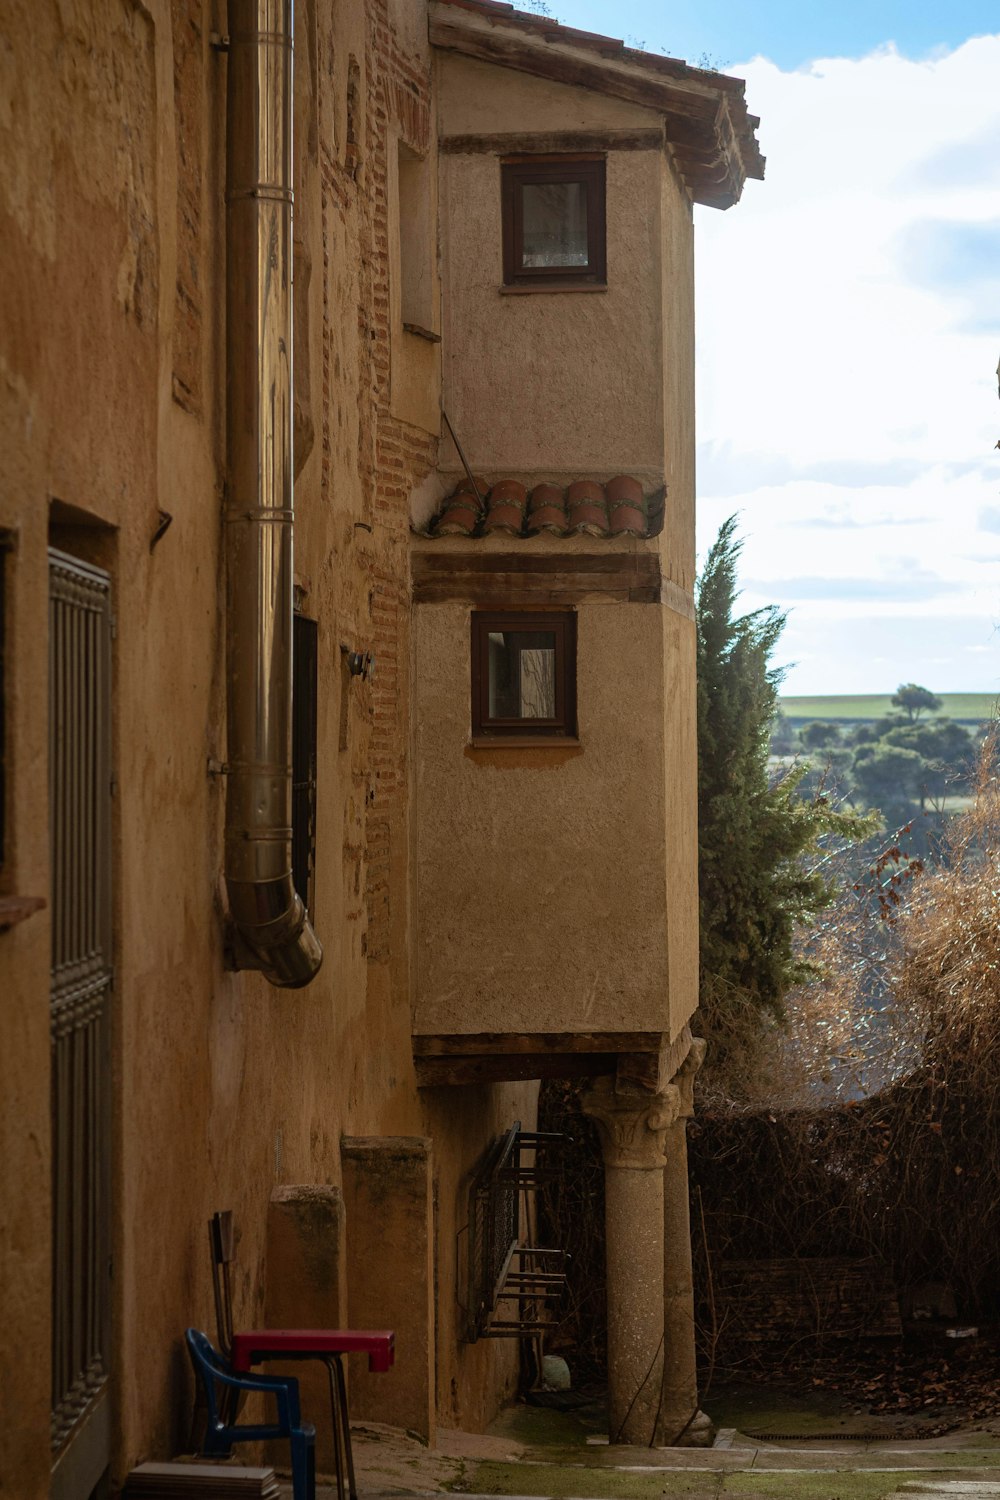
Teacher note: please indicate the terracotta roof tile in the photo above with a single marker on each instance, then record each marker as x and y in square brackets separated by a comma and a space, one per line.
[585, 508]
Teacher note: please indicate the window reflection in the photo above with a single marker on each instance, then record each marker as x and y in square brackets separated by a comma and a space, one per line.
[522, 680]
[554, 224]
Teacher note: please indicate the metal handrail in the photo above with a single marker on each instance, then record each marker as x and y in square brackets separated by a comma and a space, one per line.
[501, 1269]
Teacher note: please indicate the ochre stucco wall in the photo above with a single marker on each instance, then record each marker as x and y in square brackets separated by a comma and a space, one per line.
[561, 385]
[579, 373]
[541, 875]
[111, 395]
[476, 97]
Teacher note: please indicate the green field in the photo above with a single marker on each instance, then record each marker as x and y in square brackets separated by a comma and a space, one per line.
[967, 708]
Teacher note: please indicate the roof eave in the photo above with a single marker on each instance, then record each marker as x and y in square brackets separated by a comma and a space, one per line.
[708, 129]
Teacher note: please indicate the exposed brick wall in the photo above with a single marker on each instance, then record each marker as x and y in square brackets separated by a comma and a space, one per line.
[390, 95]
[189, 87]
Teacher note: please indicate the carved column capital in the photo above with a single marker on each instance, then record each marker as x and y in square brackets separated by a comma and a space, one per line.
[683, 1079]
[632, 1123]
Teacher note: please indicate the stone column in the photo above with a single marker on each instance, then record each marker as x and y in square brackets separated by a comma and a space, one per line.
[680, 1420]
[632, 1125]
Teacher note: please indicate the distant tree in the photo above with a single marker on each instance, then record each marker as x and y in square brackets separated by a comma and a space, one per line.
[870, 730]
[889, 777]
[913, 700]
[783, 737]
[947, 752]
[754, 836]
[935, 739]
[820, 734]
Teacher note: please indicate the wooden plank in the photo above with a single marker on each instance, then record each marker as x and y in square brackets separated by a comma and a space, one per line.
[445, 1072]
[677, 599]
[467, 1044]
[623, 81]
[506, 143]
[513, 594]
[535, 579]
[633, 566]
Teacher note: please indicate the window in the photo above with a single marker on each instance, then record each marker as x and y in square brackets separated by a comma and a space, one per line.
[523, 674]
[553, 220]
[304, 680]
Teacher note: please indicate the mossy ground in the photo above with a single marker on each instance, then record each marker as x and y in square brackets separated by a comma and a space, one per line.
[556, 1481]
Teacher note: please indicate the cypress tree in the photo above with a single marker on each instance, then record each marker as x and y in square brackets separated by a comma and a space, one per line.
[755, 834]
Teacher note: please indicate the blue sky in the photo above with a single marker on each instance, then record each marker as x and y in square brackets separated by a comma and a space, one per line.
[790, 33]
[849, 330]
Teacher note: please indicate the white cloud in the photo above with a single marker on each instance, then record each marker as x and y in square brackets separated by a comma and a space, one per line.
[848, 330]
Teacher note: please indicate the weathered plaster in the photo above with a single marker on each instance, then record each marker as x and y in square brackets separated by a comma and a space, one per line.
[541, 893]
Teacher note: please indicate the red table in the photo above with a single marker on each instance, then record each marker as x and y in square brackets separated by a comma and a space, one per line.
[329, 1345]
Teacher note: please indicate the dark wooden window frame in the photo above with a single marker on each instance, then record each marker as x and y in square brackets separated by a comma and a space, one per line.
[305, 681]
[563, 627]
[518, 171]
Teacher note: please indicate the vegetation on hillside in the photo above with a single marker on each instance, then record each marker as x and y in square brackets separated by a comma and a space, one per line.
[905, 764]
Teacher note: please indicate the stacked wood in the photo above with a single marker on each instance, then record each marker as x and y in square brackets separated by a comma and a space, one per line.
[182, 1480]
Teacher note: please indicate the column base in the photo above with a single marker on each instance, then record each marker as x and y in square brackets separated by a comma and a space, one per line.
[699, 1432]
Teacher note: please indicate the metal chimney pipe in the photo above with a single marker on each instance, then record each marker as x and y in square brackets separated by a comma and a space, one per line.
[268, 913]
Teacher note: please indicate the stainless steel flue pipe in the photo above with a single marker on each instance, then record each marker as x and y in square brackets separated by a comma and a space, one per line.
[263, 902]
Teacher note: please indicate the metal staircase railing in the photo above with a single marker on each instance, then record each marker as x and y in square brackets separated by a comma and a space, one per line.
[513, 1288]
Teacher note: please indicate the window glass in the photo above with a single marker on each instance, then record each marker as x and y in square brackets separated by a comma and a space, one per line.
[522, 674]
[554, 220]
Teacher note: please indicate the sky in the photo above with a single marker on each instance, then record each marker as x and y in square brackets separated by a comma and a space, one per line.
[849, 330]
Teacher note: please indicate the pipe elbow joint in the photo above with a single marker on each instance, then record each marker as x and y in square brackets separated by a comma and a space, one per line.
[284, 948]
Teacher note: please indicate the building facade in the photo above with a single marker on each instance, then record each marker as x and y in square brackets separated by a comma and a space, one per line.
[491, 903]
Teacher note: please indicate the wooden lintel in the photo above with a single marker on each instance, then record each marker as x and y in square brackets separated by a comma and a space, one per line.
[500, 1067]
[505, 143]
[543, 1043]
[536, 578]
[505, 591]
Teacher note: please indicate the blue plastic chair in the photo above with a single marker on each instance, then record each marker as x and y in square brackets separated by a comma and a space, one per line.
[212, 1371]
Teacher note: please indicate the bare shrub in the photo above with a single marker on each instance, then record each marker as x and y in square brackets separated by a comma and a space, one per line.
[867, 1124]
[870, 1124]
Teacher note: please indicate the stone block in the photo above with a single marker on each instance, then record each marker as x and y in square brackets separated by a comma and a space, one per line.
[306, 1288]
[389, 1195]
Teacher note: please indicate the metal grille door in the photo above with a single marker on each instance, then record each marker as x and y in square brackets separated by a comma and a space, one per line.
[79, 801]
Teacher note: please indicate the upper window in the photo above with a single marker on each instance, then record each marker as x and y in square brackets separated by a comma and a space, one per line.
[523, 674]
[553, 220]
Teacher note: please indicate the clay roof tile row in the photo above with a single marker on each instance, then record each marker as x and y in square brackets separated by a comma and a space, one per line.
[585, 507]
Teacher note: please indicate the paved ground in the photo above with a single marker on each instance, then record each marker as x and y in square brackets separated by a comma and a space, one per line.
[526, 1455]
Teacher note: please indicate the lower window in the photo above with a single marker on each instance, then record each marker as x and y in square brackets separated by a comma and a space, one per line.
[523, 674]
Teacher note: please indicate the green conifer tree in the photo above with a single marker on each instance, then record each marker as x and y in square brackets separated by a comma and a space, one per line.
[758, 883]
